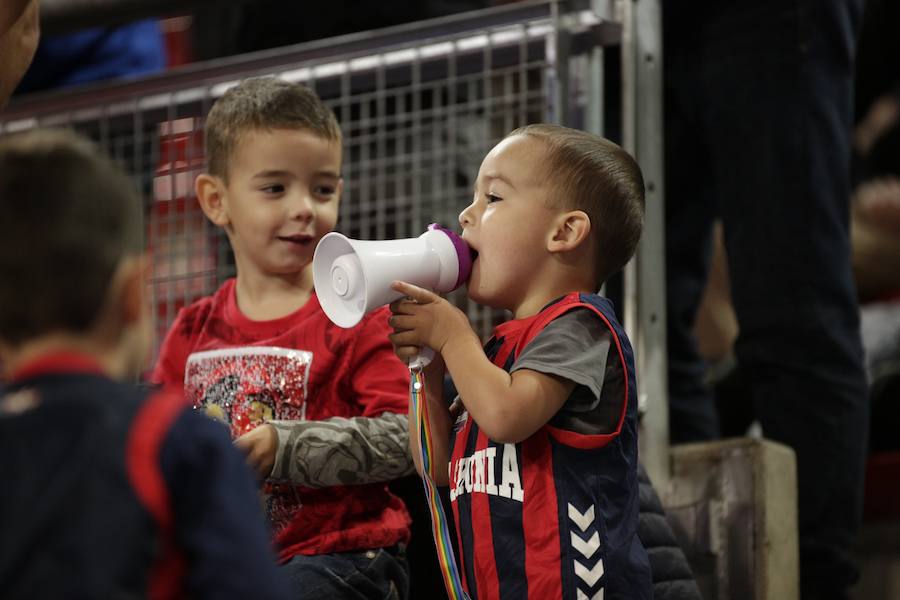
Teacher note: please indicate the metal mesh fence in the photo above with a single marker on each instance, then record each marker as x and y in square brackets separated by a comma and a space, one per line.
[418, 109]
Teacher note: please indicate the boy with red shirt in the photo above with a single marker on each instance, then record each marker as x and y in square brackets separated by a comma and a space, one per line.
[319, 410]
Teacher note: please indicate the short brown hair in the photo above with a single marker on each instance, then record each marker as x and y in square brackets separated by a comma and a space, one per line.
[597, 176]
[69, 216]
[261, 104]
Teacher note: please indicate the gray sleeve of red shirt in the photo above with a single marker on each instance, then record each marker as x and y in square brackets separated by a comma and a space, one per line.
[342, 451]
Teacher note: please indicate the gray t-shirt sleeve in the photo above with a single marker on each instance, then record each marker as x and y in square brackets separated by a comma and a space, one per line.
[576, 346]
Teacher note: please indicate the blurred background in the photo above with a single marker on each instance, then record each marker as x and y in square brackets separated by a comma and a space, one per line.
[422, 90]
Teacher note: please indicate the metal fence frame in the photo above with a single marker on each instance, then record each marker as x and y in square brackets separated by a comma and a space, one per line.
[569, 42]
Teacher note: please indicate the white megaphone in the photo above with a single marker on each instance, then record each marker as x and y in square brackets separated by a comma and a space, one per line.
[353, 277]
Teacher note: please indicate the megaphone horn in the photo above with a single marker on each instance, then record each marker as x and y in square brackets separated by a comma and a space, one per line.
[353, 277]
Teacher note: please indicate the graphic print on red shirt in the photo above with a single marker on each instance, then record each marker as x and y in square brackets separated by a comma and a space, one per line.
[244, 387]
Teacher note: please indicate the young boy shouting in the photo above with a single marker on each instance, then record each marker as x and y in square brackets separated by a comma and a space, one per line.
[320, 410]
[542, 459]
[108, 492]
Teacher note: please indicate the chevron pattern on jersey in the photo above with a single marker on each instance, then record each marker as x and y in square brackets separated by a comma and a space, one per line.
[585, 540]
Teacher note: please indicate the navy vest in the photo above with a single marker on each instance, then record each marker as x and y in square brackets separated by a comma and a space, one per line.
[554, 516]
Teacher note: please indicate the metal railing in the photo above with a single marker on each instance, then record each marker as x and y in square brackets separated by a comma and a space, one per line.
[419, 105]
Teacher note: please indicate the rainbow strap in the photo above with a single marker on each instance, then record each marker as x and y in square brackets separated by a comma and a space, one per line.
[439, 527]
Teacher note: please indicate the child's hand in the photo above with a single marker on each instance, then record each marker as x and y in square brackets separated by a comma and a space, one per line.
[424, 319]
[260, 446]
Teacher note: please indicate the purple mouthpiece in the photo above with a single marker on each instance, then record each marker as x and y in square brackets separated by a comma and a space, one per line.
[463, 253]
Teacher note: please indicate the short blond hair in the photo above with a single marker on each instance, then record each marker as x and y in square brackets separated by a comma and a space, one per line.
[262, 104]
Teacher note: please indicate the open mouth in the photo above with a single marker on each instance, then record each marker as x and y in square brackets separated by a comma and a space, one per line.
[300, 240]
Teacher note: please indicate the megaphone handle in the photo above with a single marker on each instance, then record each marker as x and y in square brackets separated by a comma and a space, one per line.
[421, 360]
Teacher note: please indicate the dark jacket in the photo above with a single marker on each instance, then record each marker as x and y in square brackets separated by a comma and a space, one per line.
[109, 492]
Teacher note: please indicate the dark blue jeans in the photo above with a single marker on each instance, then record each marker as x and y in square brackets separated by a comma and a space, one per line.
[378, 574]
[758, 107]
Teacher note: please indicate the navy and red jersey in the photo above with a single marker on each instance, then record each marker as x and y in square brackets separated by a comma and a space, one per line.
[298, 367]
[111, 492]
[556, 515]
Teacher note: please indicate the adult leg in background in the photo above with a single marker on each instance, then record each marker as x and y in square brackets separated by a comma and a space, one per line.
[772, 83]
[689, 213]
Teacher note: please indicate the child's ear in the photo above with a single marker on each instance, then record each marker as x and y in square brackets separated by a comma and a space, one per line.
[571, 229]
[132, 329]
[210, 192]
[134, 276]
